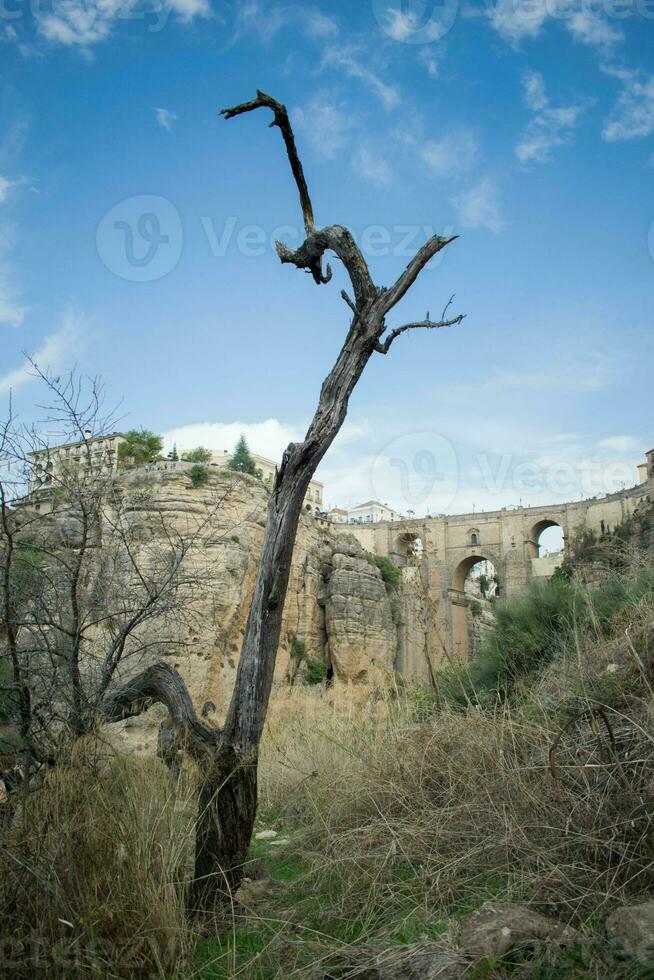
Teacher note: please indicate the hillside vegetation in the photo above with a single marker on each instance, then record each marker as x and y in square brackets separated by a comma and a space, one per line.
[526, 776]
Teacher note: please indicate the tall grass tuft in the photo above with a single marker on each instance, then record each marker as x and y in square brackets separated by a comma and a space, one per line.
[93, 871]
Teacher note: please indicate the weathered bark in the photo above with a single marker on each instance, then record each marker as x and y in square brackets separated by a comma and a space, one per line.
[228, 758]
[227, 809]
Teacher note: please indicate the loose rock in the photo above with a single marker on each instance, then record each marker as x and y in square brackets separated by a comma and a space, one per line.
[632, 929]
[498, 926]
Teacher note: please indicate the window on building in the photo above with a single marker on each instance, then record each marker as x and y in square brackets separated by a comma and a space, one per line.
[474, 538]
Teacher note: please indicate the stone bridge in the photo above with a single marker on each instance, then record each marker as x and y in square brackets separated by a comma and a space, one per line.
[437, 553]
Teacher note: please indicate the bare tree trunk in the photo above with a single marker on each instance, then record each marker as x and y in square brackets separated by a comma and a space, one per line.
[228, 758]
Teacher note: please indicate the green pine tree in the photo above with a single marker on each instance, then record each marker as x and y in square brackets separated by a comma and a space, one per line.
[242, 461]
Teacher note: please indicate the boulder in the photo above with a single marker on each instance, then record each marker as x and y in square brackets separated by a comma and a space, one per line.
[251, 892]
[496, 927]
[632, 929]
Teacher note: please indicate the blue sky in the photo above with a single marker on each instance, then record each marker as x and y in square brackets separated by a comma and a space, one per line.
[136, 229]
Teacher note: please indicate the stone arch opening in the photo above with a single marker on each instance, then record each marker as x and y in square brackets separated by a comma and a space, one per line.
[475, 586]
[546, 539]
[409, 546]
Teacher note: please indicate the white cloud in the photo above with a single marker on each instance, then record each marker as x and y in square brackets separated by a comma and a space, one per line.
[347, 59]
[591, 28]
[324, 124]
[83, 23]
[188, 10]
[57, 352]
[262, 21]
[269, 438]
[5, 187]
[534, 86]
[373, 167]
[12, 312]
[633, 113]
[165, 118]
[328, 130]
[595, 372]
[479, 207]
[516, 20]
[620, 444]
[428, 57]
[320, 26]
[453, 155]
[403, 24]
[549, 127]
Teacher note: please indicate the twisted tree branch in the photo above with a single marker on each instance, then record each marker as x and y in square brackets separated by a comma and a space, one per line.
[336, 239]
[420, 325]
[282, 121]
[162, 684]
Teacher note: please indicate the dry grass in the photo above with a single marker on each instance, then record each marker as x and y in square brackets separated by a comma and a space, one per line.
[402, 825]
[93, 870]
[401, 814]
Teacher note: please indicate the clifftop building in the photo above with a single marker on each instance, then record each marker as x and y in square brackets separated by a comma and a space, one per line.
[97, 455]
[370, 512]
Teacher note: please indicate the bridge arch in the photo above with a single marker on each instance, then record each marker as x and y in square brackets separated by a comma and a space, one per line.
[534, 541]
[460, 601]
[409, 545]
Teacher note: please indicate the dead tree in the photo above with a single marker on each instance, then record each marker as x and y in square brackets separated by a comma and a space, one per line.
[228, 757]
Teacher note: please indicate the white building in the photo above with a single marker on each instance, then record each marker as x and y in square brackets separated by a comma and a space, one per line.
[371, 512]
[338, 515]
[93, 455]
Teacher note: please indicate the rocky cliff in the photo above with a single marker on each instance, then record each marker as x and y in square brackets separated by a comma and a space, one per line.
[340, 626]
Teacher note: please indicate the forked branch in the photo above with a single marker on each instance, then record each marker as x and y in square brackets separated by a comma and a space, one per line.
[391, 297]
[368, 298]
[426, 324]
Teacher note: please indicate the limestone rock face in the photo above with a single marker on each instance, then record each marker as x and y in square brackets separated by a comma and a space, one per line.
[361, 634]
[337, 614]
